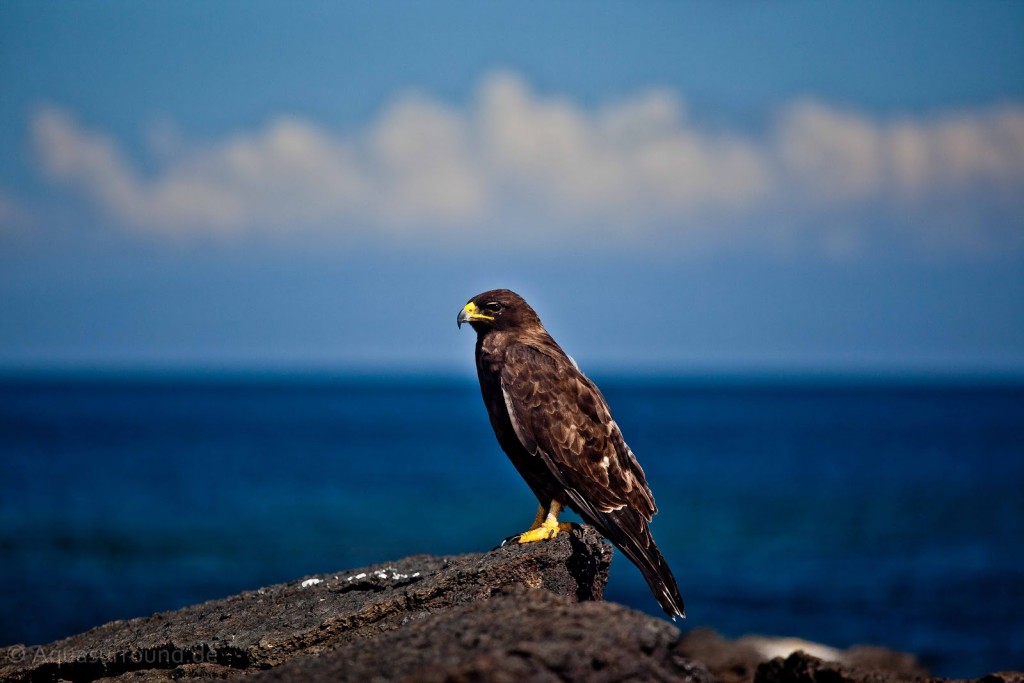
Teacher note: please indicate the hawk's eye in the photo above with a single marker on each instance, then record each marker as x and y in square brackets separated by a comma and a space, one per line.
[493, 307]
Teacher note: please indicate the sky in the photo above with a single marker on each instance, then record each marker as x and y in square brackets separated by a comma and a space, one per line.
[685, 187]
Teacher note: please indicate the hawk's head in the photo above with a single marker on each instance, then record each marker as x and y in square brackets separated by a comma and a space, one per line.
[498, 309]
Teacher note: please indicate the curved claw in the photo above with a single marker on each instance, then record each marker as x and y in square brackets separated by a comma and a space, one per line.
[511, 540]
[545, 526]
[545, 532]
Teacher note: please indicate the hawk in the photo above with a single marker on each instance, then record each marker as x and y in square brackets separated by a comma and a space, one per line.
[556, 428]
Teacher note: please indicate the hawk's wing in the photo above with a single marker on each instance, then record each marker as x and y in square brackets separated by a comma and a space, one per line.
[559, 415]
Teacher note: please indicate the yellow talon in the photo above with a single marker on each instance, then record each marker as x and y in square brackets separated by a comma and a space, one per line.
[549, 529]
[546, 529]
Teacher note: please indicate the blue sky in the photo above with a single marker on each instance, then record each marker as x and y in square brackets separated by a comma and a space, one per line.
[677, 187]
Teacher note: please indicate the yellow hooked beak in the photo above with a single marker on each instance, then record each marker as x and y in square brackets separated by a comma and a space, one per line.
[469, 313]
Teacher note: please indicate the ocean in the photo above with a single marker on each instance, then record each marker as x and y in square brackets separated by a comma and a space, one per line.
[843, 512]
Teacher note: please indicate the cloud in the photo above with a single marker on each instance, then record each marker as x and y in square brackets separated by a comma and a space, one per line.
[639, 163]
[639, 157]
[836, 155]
[412, 167]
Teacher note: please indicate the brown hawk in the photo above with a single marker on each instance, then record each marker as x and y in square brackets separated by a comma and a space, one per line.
[556, 428]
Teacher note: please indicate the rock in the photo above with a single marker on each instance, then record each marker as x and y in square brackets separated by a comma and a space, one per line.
[870, 657]
[729, 661]
[520, 613]
[751, 658]
[861, 664]
[1004, 677]
[265, 628]
[801, 667]
[521, 635]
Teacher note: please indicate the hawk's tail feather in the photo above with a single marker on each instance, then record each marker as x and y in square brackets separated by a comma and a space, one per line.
[629, 532]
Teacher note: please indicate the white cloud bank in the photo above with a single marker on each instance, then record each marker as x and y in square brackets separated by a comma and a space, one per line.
[426, 167]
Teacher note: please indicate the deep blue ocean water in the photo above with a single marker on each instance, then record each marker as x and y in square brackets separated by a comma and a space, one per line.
[866, 512]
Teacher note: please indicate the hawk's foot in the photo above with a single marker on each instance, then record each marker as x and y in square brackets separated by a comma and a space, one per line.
[545, 526]
[549, 529]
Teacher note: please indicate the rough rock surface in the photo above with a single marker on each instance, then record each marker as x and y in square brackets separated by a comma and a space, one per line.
[520, 613]
[801, 667]
[261, 629]
[522, 635]
[741, 660]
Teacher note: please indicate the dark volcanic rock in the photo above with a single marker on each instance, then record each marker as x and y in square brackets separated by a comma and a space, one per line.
[754, 658]
[729, 661]
[523, 635]
[521, 613]
[261, 629]
[801, 667]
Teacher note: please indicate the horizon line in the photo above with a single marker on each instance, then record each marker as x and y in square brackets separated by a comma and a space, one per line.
[781, 373]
